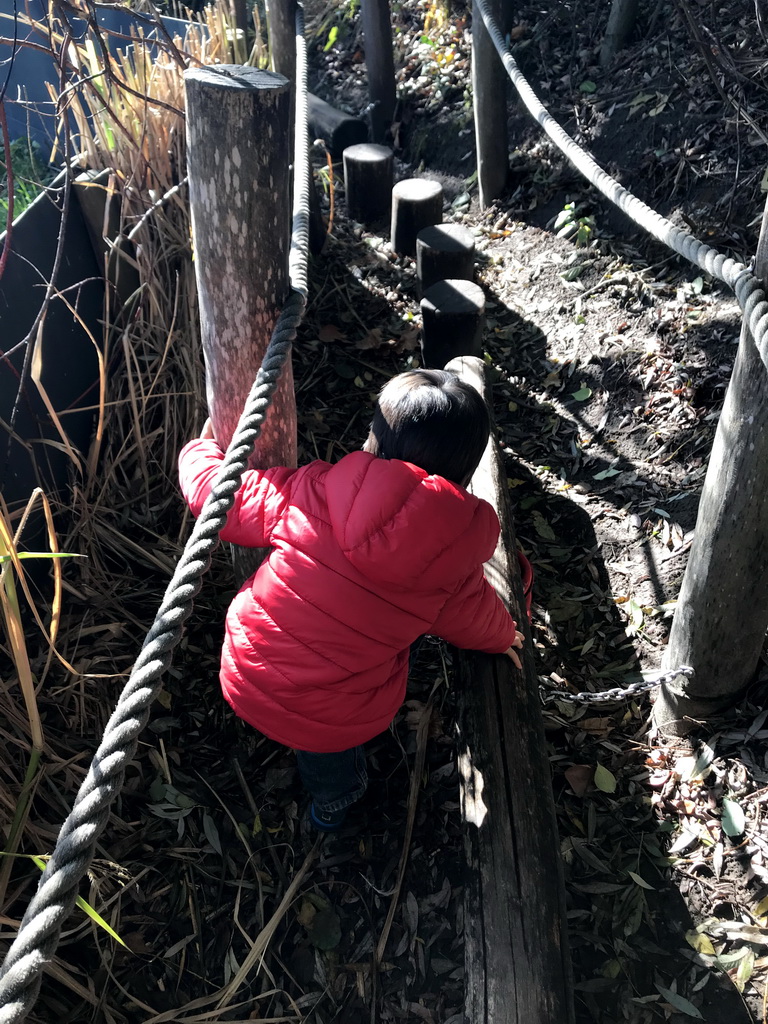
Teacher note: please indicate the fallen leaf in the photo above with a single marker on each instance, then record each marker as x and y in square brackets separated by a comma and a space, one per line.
[373, 339]
[331, 333]
[605, 780]
[579, 777]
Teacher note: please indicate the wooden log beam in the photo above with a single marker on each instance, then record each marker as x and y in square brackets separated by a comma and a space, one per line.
[337, 129]
[239, 155]
[723, 596]
[516, 960]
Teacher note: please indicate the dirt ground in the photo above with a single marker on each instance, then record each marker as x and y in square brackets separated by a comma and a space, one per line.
[610, 359]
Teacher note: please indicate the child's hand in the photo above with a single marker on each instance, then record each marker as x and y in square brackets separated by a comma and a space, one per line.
[512, 653]
[206, 434]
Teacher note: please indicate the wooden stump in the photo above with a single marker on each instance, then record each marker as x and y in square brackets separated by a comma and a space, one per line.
[337, 129]
[516, 959]
[444, 251]
[453, 317]
[239, 193]
[368, 182]
[417, 203]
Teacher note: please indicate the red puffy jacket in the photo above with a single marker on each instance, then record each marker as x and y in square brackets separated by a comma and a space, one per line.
[366, 555]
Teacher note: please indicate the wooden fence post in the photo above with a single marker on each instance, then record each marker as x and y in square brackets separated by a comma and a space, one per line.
[239, 153]
[489, 89]
[621, 23]
[281, 32]
[380, 64]
[516, 960]
[722, 611]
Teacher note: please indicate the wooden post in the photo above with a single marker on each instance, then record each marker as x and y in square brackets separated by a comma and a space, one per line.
[416, 203]
[368, 182]
[239, 154]
[281, 32]
[516, 960]
[380, 64]
[722, 611]
[489, 88]
[444, 251]
[621, 22]
[337, 129]
[453, 317]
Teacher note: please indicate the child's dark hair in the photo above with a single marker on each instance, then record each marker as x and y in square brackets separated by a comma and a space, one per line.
[432, 419]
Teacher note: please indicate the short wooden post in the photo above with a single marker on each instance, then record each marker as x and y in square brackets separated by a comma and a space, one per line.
[239, 193]
[368, 182]
[444, 251]
[416, 203]
[453, 317]
[489, 88]
[722, 611]
[516, 959]
[337, 129]
[380, 64]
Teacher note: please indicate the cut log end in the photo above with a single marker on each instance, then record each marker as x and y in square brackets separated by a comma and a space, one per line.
[417, 203]
[368, 181]
[453, 317]
[236, 76]
[444, 251]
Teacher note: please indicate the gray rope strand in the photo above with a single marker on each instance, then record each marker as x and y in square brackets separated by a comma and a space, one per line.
[38, 935]
[749, 290]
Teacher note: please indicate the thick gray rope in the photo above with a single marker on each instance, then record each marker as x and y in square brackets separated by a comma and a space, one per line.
[749, 290]
[38, 935]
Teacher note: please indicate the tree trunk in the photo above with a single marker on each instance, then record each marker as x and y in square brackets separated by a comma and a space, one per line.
[380, 64]
[516, 960]
[239, 192]
[621, 23]
[723, 601]
[489, 89]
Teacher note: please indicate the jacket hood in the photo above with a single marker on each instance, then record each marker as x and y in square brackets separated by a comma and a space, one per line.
[397, 524]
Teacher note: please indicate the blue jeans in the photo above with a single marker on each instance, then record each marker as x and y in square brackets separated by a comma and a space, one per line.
[334, 781]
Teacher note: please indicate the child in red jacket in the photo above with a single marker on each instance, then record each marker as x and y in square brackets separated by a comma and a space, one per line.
[366, 556]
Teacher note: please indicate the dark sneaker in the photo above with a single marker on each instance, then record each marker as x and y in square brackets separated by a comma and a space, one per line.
[326, 821]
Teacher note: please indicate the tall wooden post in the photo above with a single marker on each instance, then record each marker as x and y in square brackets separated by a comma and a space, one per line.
[489, 89]
[621, 23]
[380, 64]
[722, 611]
[281, 31]
[239, 154]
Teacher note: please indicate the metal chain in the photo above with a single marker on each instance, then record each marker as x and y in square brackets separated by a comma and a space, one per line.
[749, 290]
[618, 692]
[38, 935]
